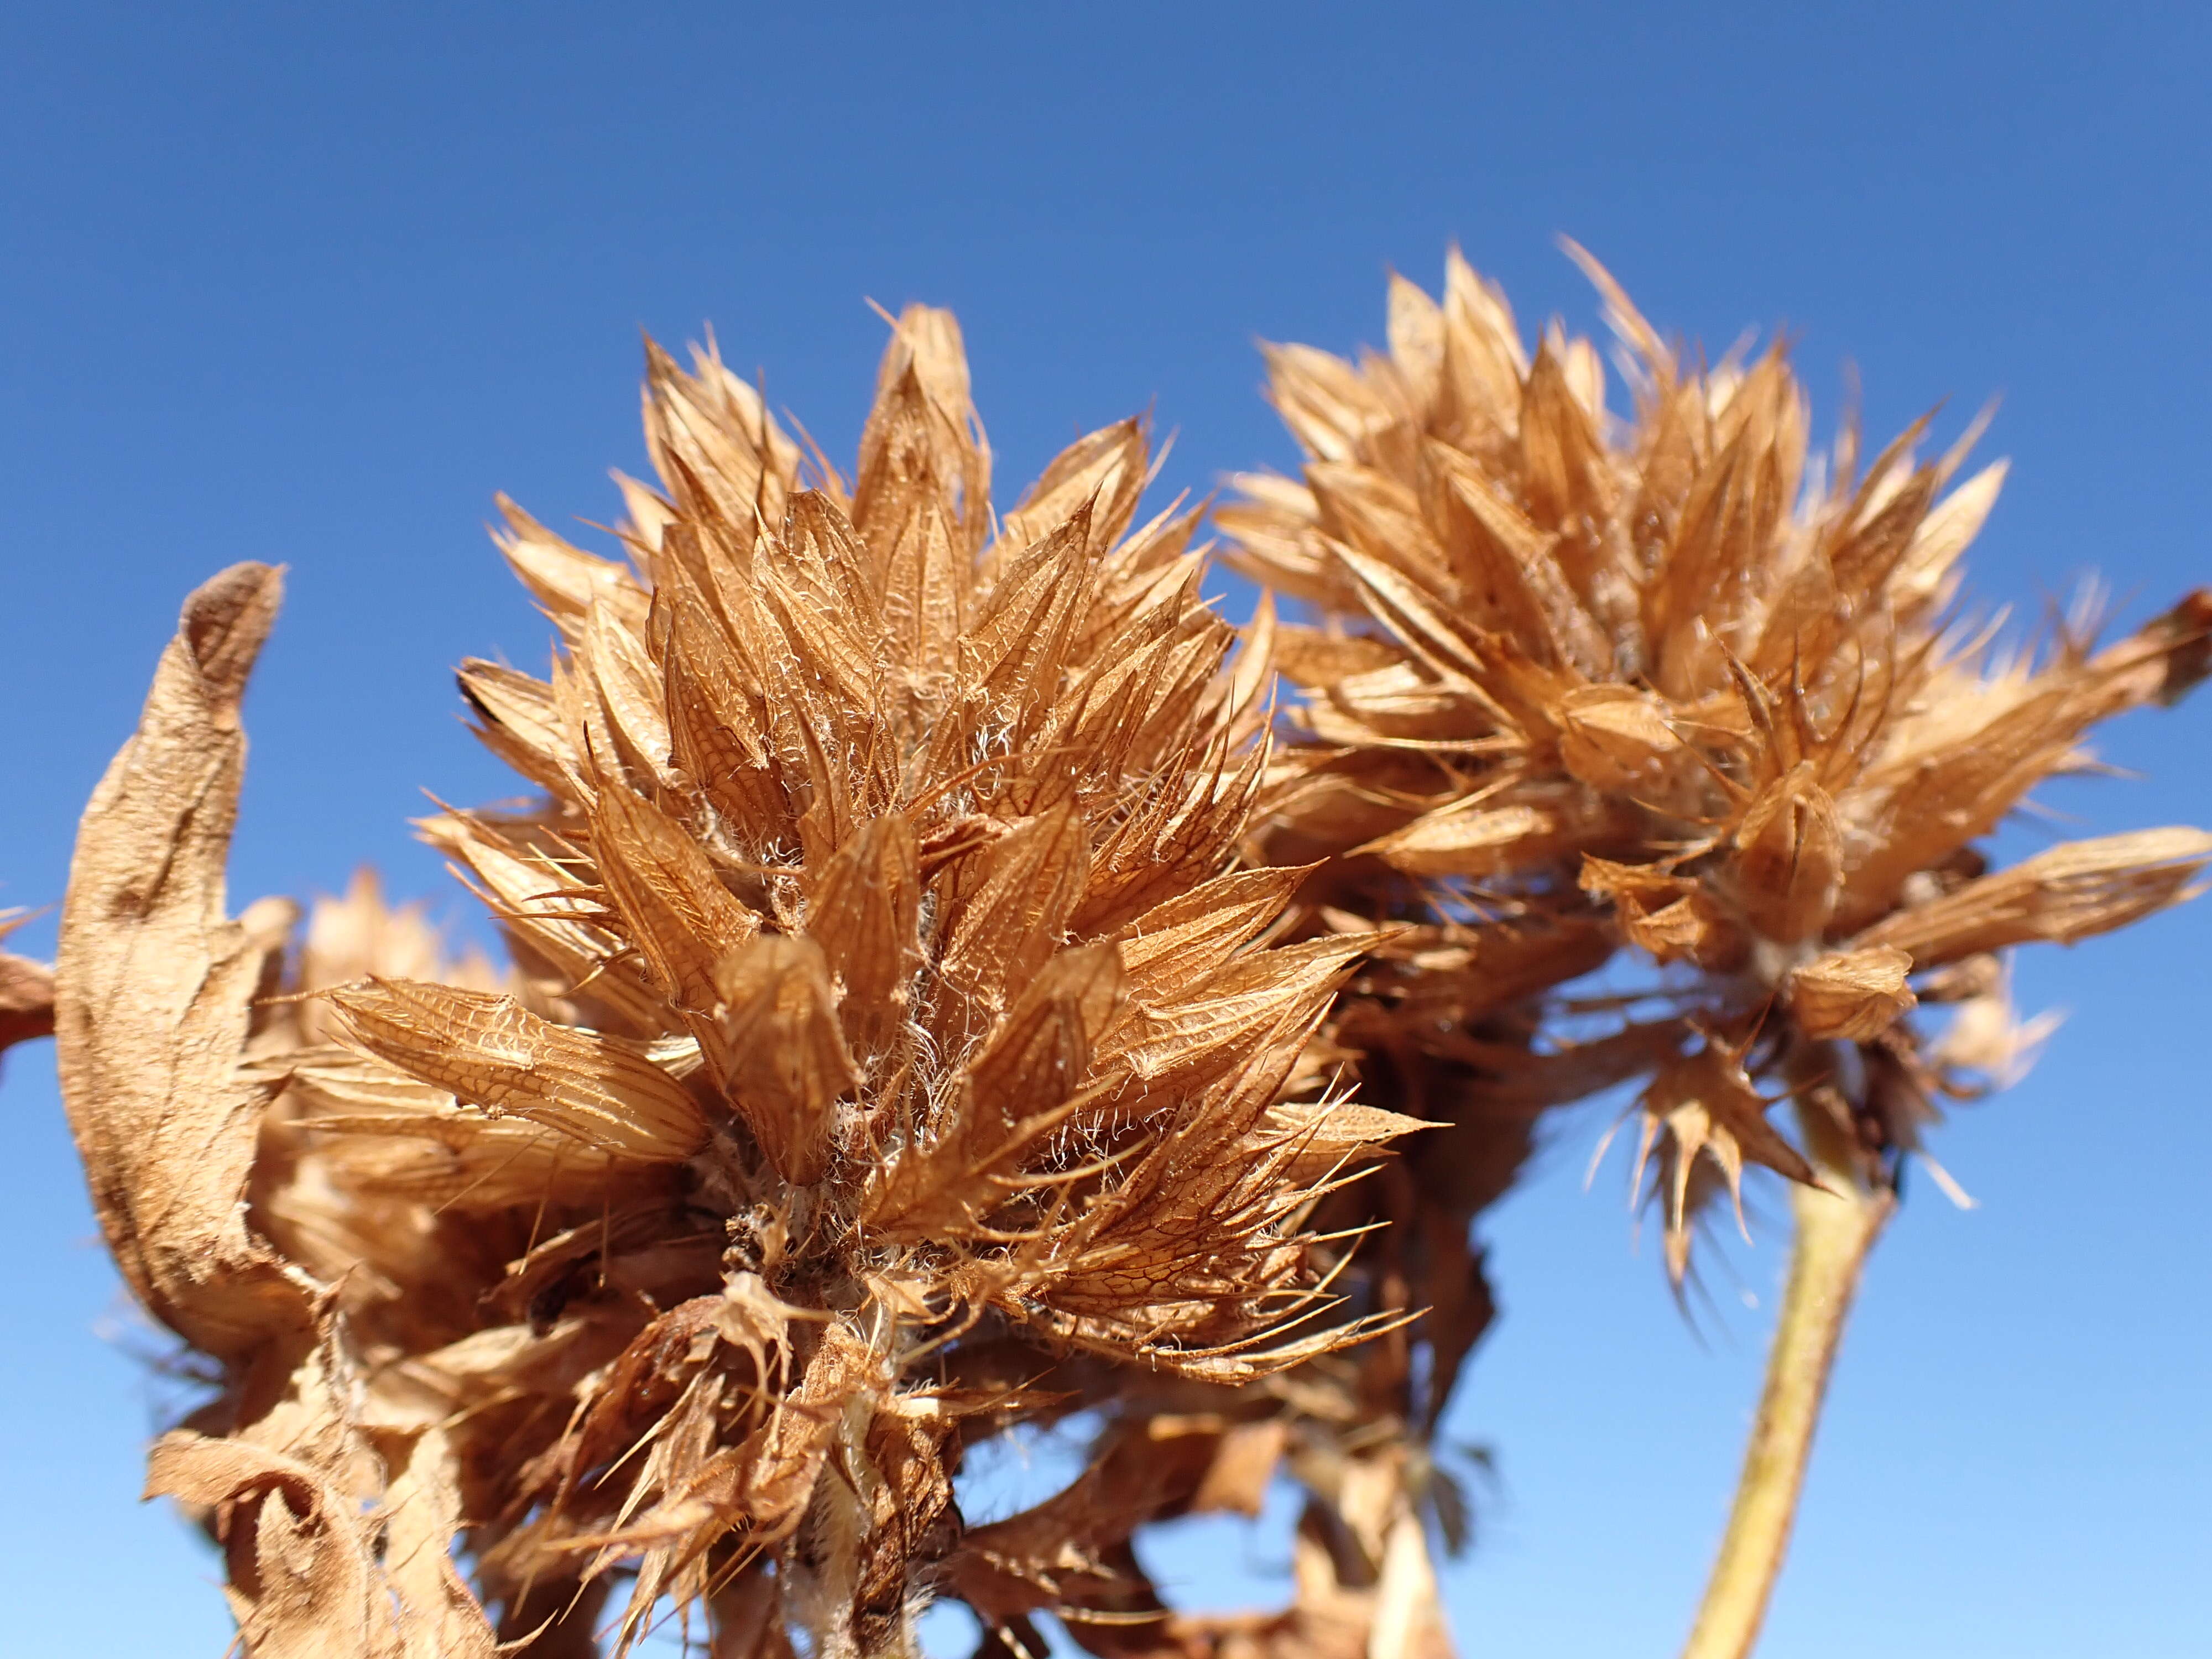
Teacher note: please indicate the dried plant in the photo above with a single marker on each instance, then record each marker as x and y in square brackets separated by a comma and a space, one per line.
[1669, 682]
[938, 1005]
[890, 1055]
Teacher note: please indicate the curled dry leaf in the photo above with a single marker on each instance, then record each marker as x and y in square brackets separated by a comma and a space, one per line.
[312, 1572]
[153, 991]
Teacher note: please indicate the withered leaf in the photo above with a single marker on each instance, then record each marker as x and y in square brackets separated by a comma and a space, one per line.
[152, 988]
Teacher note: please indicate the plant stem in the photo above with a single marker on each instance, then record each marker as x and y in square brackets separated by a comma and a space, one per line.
[1408, 1620]
[1835, 1231]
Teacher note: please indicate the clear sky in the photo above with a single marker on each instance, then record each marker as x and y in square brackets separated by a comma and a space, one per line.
[309, 284]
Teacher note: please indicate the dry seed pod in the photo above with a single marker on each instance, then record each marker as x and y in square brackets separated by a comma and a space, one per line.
[1670, 677]
[889, 1042]
[1573, 681]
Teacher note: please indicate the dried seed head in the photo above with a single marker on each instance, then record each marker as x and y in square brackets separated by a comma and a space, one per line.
[885, 1010]
[1675, 676]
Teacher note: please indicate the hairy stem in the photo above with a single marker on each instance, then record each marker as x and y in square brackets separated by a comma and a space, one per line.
[1835, 1231]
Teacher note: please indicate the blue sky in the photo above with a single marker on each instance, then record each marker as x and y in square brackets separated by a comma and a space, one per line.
[308, 284]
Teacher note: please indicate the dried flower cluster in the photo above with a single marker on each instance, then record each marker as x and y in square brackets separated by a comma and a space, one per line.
[886, 1029]
[944, 997]
[1670, 684]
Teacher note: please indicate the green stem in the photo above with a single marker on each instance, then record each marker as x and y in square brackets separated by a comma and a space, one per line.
[1835, 1234]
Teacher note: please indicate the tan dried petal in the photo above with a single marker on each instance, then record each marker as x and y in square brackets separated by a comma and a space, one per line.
[2065, 894]
[674, 907]
[790, 1064]
[1675, 918]
[863, 909]
[518, 721]
[1615, 737]
[490, 1052]
[1790, 857]
[1455, 841]
[1854, 995]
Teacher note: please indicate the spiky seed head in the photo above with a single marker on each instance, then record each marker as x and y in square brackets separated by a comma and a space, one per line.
[884, 1004]
[1675, 674]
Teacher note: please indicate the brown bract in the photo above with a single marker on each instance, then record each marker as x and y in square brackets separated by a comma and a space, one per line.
[27, 993]
[154, 990]
[1575, 680]
[887, 1028]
